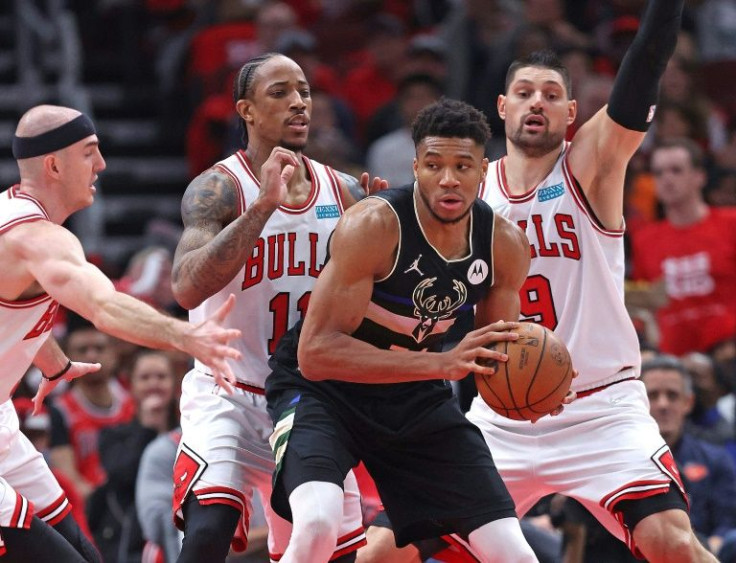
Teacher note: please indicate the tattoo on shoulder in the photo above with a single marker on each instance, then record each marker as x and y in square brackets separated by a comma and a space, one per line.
[352, 184]
[210, 197]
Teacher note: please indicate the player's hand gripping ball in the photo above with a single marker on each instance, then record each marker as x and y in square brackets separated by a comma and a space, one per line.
[534, 380]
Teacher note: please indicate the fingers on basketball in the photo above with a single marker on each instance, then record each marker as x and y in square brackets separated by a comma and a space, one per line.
[534, 380]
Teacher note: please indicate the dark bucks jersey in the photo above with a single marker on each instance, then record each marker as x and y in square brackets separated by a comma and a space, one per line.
[416, 304]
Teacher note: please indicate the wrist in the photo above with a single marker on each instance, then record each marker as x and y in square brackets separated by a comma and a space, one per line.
[59, 374]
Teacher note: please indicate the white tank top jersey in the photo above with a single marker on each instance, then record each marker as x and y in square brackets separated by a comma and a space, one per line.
[24, 324]
[576, 278]
[272, 290]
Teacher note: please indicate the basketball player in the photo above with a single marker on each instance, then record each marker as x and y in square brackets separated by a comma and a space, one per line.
[604, 449]
[371, 383]
[44, 265]
[256, 225]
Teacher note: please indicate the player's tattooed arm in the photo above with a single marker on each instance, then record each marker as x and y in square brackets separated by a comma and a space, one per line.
[352, 185]
[216, 241]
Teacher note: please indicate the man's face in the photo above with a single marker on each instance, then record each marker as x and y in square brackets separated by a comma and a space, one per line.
[278, 113]
[78, 166]
[677, 180]
[536, 110]
[91, 346]
[668, 400]
[449, 171]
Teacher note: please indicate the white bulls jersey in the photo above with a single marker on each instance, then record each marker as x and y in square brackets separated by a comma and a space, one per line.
[576, 277]
[24, 324]
[274, 286]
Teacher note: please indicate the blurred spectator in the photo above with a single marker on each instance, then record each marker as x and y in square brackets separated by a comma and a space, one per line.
[425, 55]
[372, 83]
[153, 498]
[693, 249]
[682, 85]
[148, 277]
[390, 156]
[328, 141]
[112, 506]
[716, 22]
[94, 401]
[301, 46]
[37, 428]
[712, 413]
[707, 469]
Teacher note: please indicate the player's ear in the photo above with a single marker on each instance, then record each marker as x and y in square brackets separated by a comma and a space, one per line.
[415, 167]
[572, 111]
[244, 109]
[51, 165]
[501, 106]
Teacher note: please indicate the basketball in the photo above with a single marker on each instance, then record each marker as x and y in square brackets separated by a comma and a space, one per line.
[533, 381]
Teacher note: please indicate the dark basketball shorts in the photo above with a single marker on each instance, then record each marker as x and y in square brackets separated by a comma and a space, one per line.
[431, 465]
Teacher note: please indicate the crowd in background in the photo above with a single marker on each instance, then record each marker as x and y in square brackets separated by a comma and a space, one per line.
[372, 65]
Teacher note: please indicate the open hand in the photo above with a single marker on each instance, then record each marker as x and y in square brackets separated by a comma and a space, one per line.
[78, 369]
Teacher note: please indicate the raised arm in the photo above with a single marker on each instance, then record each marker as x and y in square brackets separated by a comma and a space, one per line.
[217, 241]
[363, 249]
[603, 146]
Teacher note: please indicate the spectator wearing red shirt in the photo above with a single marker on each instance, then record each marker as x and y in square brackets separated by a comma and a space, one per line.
[693, 249]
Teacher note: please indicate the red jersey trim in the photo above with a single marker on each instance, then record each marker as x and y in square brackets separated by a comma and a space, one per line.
[20, 220]
[635, 490]
[56, 511]
[22, 514]
[582, 202]
[345, 544]
[25, 303]
[241, 193]
[14, 192]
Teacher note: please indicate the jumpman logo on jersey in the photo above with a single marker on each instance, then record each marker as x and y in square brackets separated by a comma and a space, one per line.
[415, 266]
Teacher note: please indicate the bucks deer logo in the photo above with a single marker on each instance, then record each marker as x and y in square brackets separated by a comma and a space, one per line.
[429, 308]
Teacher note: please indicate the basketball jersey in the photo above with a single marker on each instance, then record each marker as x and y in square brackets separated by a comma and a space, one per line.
[24, 324]
[84, 422]
[415, 305]
[272, 289]
[575, 284]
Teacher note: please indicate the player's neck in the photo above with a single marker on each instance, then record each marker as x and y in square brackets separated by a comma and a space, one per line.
[524, 172]
[686, 213]
[49, 197]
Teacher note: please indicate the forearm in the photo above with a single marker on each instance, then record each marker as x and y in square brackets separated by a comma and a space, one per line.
[637, 82]
[204, 271]
[50, 358]
[130, 319]
[344, 358]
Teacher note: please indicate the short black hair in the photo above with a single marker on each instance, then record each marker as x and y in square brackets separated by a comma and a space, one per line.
[243, 85]
[540, 59]
[451, 118]
[243, 82]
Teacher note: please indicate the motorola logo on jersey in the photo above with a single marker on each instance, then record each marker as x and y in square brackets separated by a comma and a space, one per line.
[430, 308]
[478, 271]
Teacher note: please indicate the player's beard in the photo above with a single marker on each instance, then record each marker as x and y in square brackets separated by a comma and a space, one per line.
[536, 145]
[296, 147]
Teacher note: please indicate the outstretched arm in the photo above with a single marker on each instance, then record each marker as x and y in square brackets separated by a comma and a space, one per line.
[53, 256]
[217, 241]
[603, 146]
